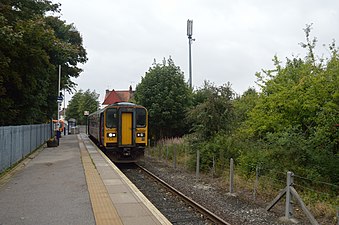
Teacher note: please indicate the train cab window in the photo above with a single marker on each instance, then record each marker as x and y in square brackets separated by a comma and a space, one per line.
[141, 117]
[111, 118]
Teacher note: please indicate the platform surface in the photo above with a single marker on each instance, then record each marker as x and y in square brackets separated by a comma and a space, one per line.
[73, 183]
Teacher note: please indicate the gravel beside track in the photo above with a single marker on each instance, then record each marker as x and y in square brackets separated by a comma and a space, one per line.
[208, 193]
[176, 211]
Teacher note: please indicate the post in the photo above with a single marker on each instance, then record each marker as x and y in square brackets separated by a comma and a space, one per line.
[174, 157]
[190, 60]
[166, 153]
[159, 152]
[86, 124]
[52, 129]
[213, 168]
[290, 191]
[231, 175]
[185, 156]
[197, 165]
[64, 111]
[256, 182]
[86, 114]
[58, 117]
[288, 206]
[189, 34]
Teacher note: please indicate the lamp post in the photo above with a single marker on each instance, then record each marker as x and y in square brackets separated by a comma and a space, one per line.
[59, 98]
[190, 39]
[59, 101]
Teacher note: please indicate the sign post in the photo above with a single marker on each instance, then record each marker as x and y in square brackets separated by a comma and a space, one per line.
[86, 114]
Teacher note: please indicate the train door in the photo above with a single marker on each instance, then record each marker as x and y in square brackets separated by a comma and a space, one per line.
[126, 128]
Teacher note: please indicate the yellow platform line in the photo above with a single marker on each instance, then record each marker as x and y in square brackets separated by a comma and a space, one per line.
[154, 211]
[103, 209]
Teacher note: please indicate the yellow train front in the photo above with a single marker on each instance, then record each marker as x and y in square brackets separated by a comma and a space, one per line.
[121, 130]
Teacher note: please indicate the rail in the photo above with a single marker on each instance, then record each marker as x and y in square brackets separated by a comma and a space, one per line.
[216, 219]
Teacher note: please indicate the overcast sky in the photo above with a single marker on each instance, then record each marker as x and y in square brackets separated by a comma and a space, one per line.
[233, 39]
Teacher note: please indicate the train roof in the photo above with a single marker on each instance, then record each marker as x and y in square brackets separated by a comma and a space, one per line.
[130, 104]
[127, 104]
[123, 104]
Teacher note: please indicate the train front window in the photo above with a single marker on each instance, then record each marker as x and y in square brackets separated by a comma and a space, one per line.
[111, 118]
[141, 117]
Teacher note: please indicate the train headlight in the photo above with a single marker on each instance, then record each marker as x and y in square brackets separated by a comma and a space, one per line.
[140, 134]
[110, 135]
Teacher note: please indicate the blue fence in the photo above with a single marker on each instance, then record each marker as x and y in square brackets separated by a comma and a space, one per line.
[16, 142]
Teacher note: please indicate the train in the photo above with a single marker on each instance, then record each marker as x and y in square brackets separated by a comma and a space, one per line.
[120, 130]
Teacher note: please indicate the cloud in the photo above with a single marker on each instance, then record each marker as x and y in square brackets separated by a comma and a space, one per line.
[234, 39]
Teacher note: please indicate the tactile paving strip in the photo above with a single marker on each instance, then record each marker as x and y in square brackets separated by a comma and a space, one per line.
[103, 209]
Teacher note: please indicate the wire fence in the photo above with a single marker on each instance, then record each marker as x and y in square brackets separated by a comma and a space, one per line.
[16, 142]
[264, 184]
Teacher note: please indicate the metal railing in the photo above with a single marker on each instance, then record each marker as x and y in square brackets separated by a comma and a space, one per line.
[16, 142]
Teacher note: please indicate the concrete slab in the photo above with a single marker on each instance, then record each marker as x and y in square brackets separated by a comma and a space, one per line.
[131, 209]
[141, 220]
[123, 197]
[109, 182]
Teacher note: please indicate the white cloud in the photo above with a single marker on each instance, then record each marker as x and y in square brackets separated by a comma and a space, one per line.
[234, 39]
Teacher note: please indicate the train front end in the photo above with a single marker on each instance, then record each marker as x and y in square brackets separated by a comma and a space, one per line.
[125, 131]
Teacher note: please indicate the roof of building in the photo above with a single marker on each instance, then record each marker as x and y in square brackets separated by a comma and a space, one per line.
[114, 96]
[111, 98]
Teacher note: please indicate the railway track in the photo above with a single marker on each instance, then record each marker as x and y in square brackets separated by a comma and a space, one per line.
[207, 213]
[177, 207]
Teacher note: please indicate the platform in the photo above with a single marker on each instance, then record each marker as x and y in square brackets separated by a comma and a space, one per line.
[74, 183]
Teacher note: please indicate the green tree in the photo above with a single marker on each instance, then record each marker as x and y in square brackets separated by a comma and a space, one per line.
[80, 102]
[244, 104]
[297, 113]
[166, 95]
[213, 111]
[32, 45]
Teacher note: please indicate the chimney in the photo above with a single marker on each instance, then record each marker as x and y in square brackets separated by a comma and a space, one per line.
[130, 92]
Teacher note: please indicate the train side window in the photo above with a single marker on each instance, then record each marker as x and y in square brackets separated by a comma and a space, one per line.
[111, 118]
[141, 117]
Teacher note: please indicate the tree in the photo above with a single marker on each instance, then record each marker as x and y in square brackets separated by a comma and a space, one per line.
[80, 102]
[213, 111]
[244, 104]
[166, 95]
[297, 113]
[32, 45]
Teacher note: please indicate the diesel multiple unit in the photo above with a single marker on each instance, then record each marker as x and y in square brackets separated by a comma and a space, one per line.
[121, 130]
